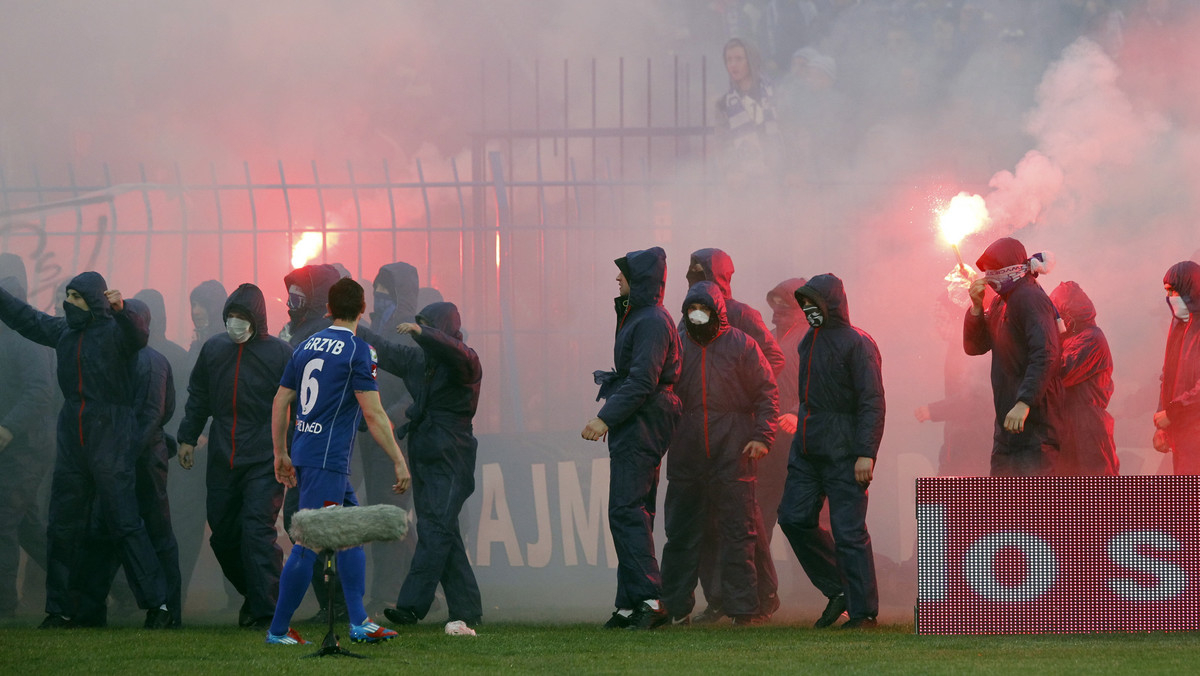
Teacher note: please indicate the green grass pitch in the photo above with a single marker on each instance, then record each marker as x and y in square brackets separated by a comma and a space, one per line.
[579, 648]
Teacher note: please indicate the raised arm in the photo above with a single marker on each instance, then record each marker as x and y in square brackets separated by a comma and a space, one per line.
[37, 326]
[398, 360]
[445, 349]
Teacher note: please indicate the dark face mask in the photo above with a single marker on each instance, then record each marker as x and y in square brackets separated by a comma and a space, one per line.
[814, 316]
[297, 304]
[703, 333]
[77, 318]
[384, 307]
[694, 276]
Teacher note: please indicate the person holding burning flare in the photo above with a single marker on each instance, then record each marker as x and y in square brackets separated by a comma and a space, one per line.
[1020, 330]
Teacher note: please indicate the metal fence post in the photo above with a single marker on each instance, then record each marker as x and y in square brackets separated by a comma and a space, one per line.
[514, 420]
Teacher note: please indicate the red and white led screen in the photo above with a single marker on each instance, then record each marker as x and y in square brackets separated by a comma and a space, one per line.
[1058, 554]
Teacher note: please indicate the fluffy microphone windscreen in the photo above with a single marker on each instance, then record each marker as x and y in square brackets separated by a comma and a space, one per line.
[332, 528]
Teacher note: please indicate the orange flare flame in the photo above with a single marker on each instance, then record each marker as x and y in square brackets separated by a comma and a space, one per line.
[964, 215]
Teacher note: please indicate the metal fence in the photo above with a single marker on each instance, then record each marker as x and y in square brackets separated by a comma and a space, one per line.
[515, 244]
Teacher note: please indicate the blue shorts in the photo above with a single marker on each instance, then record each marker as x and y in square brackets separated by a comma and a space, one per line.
[322, 488]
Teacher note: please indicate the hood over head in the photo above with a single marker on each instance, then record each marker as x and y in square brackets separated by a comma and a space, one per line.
[315, 281]
[403, 285]
[1074, 306]
[828, 294]
[158, 312]
[718, 268]
[754, 60]
[444, 317]
[646, 272]
[91, 286]
[1184, 277]
[708, 295]
[139, 310]
[13, 278]
[427, 295]
[782, 301]
[248, 298]
[1002, 253]
[211, 296]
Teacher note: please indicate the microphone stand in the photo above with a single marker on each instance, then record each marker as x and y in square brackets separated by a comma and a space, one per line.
[329, 645]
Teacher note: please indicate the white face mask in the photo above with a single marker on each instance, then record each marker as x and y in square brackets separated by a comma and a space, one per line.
[239, 330]
[1178, 307]
[698, 317]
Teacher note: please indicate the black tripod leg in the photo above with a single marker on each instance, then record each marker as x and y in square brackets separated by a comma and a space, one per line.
[329, 646]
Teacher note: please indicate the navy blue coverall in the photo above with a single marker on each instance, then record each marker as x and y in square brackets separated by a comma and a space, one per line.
[390, 560]
[315, 281]
[26, 412]
[155, 405]
[729, 398]
[187, 490]
[1086, 444]
[790, 328]
[1020, 329]
[1179, 396]
[96, 351]
[443, 375]
[235, 385]
[840, 420]
[641, 411]
[717, 267]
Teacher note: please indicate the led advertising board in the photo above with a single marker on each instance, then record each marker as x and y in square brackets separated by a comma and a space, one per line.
[1058, 554]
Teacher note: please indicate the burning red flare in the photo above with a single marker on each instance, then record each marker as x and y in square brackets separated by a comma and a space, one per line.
[307, 247]
[964, 215]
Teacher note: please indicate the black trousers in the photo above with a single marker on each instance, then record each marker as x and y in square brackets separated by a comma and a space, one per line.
[243, 505]
[636, 448]
[715, 512]
[843, 563]
[92, 579]
[443, 475]
[96, 464]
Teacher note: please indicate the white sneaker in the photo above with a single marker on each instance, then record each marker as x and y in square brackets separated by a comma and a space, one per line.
[458, 628]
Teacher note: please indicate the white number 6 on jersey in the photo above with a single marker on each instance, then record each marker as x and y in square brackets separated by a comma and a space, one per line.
[309, 387]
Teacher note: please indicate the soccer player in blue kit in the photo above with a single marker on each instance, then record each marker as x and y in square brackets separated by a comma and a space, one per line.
[331, 377]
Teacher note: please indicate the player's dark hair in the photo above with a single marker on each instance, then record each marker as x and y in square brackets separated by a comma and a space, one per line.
[346, 299]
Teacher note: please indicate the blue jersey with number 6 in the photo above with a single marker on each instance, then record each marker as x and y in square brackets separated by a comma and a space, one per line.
[325, 371]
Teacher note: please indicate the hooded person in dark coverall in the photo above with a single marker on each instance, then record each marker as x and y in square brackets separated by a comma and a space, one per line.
[234, 383]
[1177, 422]
[730, 404]
[714, 265]
[187, 490]
[97, 345]
[790, 328]
[1020, 330]
[639, 419]
[181, 368]
[207, 303]
[26, 441]
[155, 405]
[176, 356]
[966, 444]
[395, 303]
[840, 426]
[308, 295]
[1087, 447]
[443, 375]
